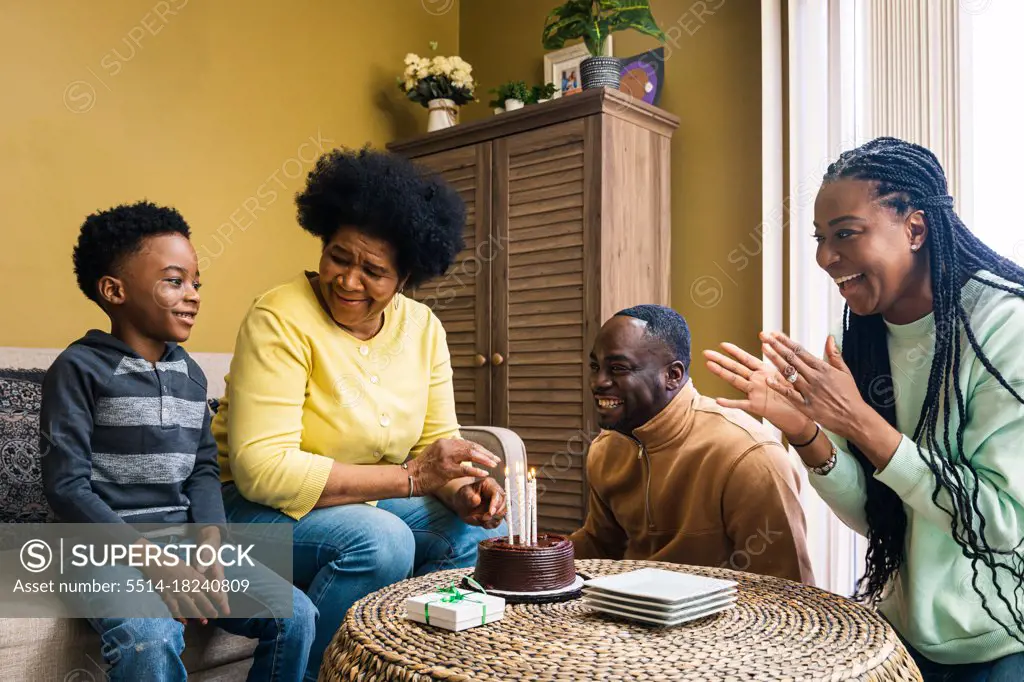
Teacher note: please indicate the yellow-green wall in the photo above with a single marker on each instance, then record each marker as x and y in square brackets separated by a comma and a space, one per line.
[215, 107]
[219, 107]
[713, 84]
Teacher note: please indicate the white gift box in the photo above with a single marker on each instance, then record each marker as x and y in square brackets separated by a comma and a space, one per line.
[445, 610]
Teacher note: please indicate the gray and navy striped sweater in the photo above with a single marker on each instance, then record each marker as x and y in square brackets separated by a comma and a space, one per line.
[124, 440]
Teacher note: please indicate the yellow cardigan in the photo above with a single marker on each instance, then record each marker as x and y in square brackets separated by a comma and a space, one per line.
[303, 393]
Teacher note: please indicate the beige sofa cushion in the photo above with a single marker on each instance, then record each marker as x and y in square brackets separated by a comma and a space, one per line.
[39, 649]
[53, 646]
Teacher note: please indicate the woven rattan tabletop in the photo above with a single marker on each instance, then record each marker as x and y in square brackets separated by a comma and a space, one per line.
[778, 630]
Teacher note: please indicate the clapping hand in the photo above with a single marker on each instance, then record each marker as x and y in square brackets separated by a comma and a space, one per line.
[824, 392]
[756, 379]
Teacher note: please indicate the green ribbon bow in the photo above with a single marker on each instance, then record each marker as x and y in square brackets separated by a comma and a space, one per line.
[452, 595]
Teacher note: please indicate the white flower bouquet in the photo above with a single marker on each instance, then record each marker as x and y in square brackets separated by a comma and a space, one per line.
[433, 78]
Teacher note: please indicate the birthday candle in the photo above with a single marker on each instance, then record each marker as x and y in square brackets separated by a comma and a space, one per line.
[529, 514]
[533, 506]
[521, 484]
[511, 522]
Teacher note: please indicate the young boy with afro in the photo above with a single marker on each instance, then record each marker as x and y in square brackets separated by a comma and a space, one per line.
[126, 431]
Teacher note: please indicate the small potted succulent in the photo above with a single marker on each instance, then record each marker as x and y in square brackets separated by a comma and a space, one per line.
[510, 96]
[594, 21]
[542, 93]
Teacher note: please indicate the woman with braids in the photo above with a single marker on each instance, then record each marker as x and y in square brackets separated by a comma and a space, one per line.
[339, 414]
[912, 427]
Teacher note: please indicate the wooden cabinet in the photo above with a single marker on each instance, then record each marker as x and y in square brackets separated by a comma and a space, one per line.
[567, 222]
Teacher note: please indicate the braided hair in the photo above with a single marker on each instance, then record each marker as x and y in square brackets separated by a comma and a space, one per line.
[908, 178]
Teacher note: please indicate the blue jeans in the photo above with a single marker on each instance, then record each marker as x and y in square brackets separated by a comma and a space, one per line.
[149, 648]
[343, 553]
[1007, 669]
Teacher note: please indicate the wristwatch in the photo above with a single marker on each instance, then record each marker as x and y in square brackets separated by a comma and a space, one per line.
[830, 463]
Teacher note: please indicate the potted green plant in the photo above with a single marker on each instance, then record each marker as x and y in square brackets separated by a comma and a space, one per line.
[498, 101]
[541, 93]
[511, 95]
[441, 84]
[594, 21]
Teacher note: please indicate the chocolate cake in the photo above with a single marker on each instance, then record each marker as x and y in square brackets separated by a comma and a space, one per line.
[548, 565]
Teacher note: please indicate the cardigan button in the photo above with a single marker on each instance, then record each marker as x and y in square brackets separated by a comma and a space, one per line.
[364, 350]
[385, 420]
[374, 379]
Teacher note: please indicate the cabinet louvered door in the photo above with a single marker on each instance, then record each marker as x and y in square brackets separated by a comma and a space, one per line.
[538, 315]
[461, 297]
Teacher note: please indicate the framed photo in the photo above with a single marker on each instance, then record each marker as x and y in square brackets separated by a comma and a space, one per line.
[562, 67]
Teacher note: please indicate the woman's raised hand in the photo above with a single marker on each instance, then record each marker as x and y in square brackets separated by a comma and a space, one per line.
[751, 376]
[447, 459]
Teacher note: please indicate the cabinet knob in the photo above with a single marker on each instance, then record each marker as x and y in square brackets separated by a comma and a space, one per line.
[497, 359]
[479, 360]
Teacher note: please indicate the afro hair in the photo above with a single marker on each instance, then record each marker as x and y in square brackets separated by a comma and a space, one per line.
[667, 326]
[388, 196]
[108, 236]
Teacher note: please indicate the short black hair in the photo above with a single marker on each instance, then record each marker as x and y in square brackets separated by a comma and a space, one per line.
[667, 326]
[108, 236]
[390, 197]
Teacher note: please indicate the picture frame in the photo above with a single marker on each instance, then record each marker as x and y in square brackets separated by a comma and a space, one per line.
[562, 67]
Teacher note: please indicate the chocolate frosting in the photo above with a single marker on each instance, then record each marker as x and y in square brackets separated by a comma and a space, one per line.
[548, 565]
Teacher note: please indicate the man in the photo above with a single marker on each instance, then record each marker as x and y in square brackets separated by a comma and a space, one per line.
[673, 475]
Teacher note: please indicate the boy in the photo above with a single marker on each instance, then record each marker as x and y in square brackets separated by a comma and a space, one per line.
[126, 429]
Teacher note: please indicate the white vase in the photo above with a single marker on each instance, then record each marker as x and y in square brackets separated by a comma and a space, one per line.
[441, 114]
[513, 104]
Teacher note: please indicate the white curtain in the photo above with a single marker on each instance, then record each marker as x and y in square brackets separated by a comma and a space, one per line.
[913, 50]
[993, 62]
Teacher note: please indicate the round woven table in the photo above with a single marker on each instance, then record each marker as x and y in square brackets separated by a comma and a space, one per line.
[778, 630]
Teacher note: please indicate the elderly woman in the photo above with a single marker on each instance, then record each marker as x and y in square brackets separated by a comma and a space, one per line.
[911, 426]
[339, 413]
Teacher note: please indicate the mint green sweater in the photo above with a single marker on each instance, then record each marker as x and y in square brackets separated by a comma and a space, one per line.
[931, 601]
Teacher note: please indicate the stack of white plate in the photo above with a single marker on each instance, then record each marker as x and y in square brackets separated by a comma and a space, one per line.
[659, 597]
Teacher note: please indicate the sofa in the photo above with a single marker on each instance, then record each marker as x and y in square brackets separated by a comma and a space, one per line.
[55, 647]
